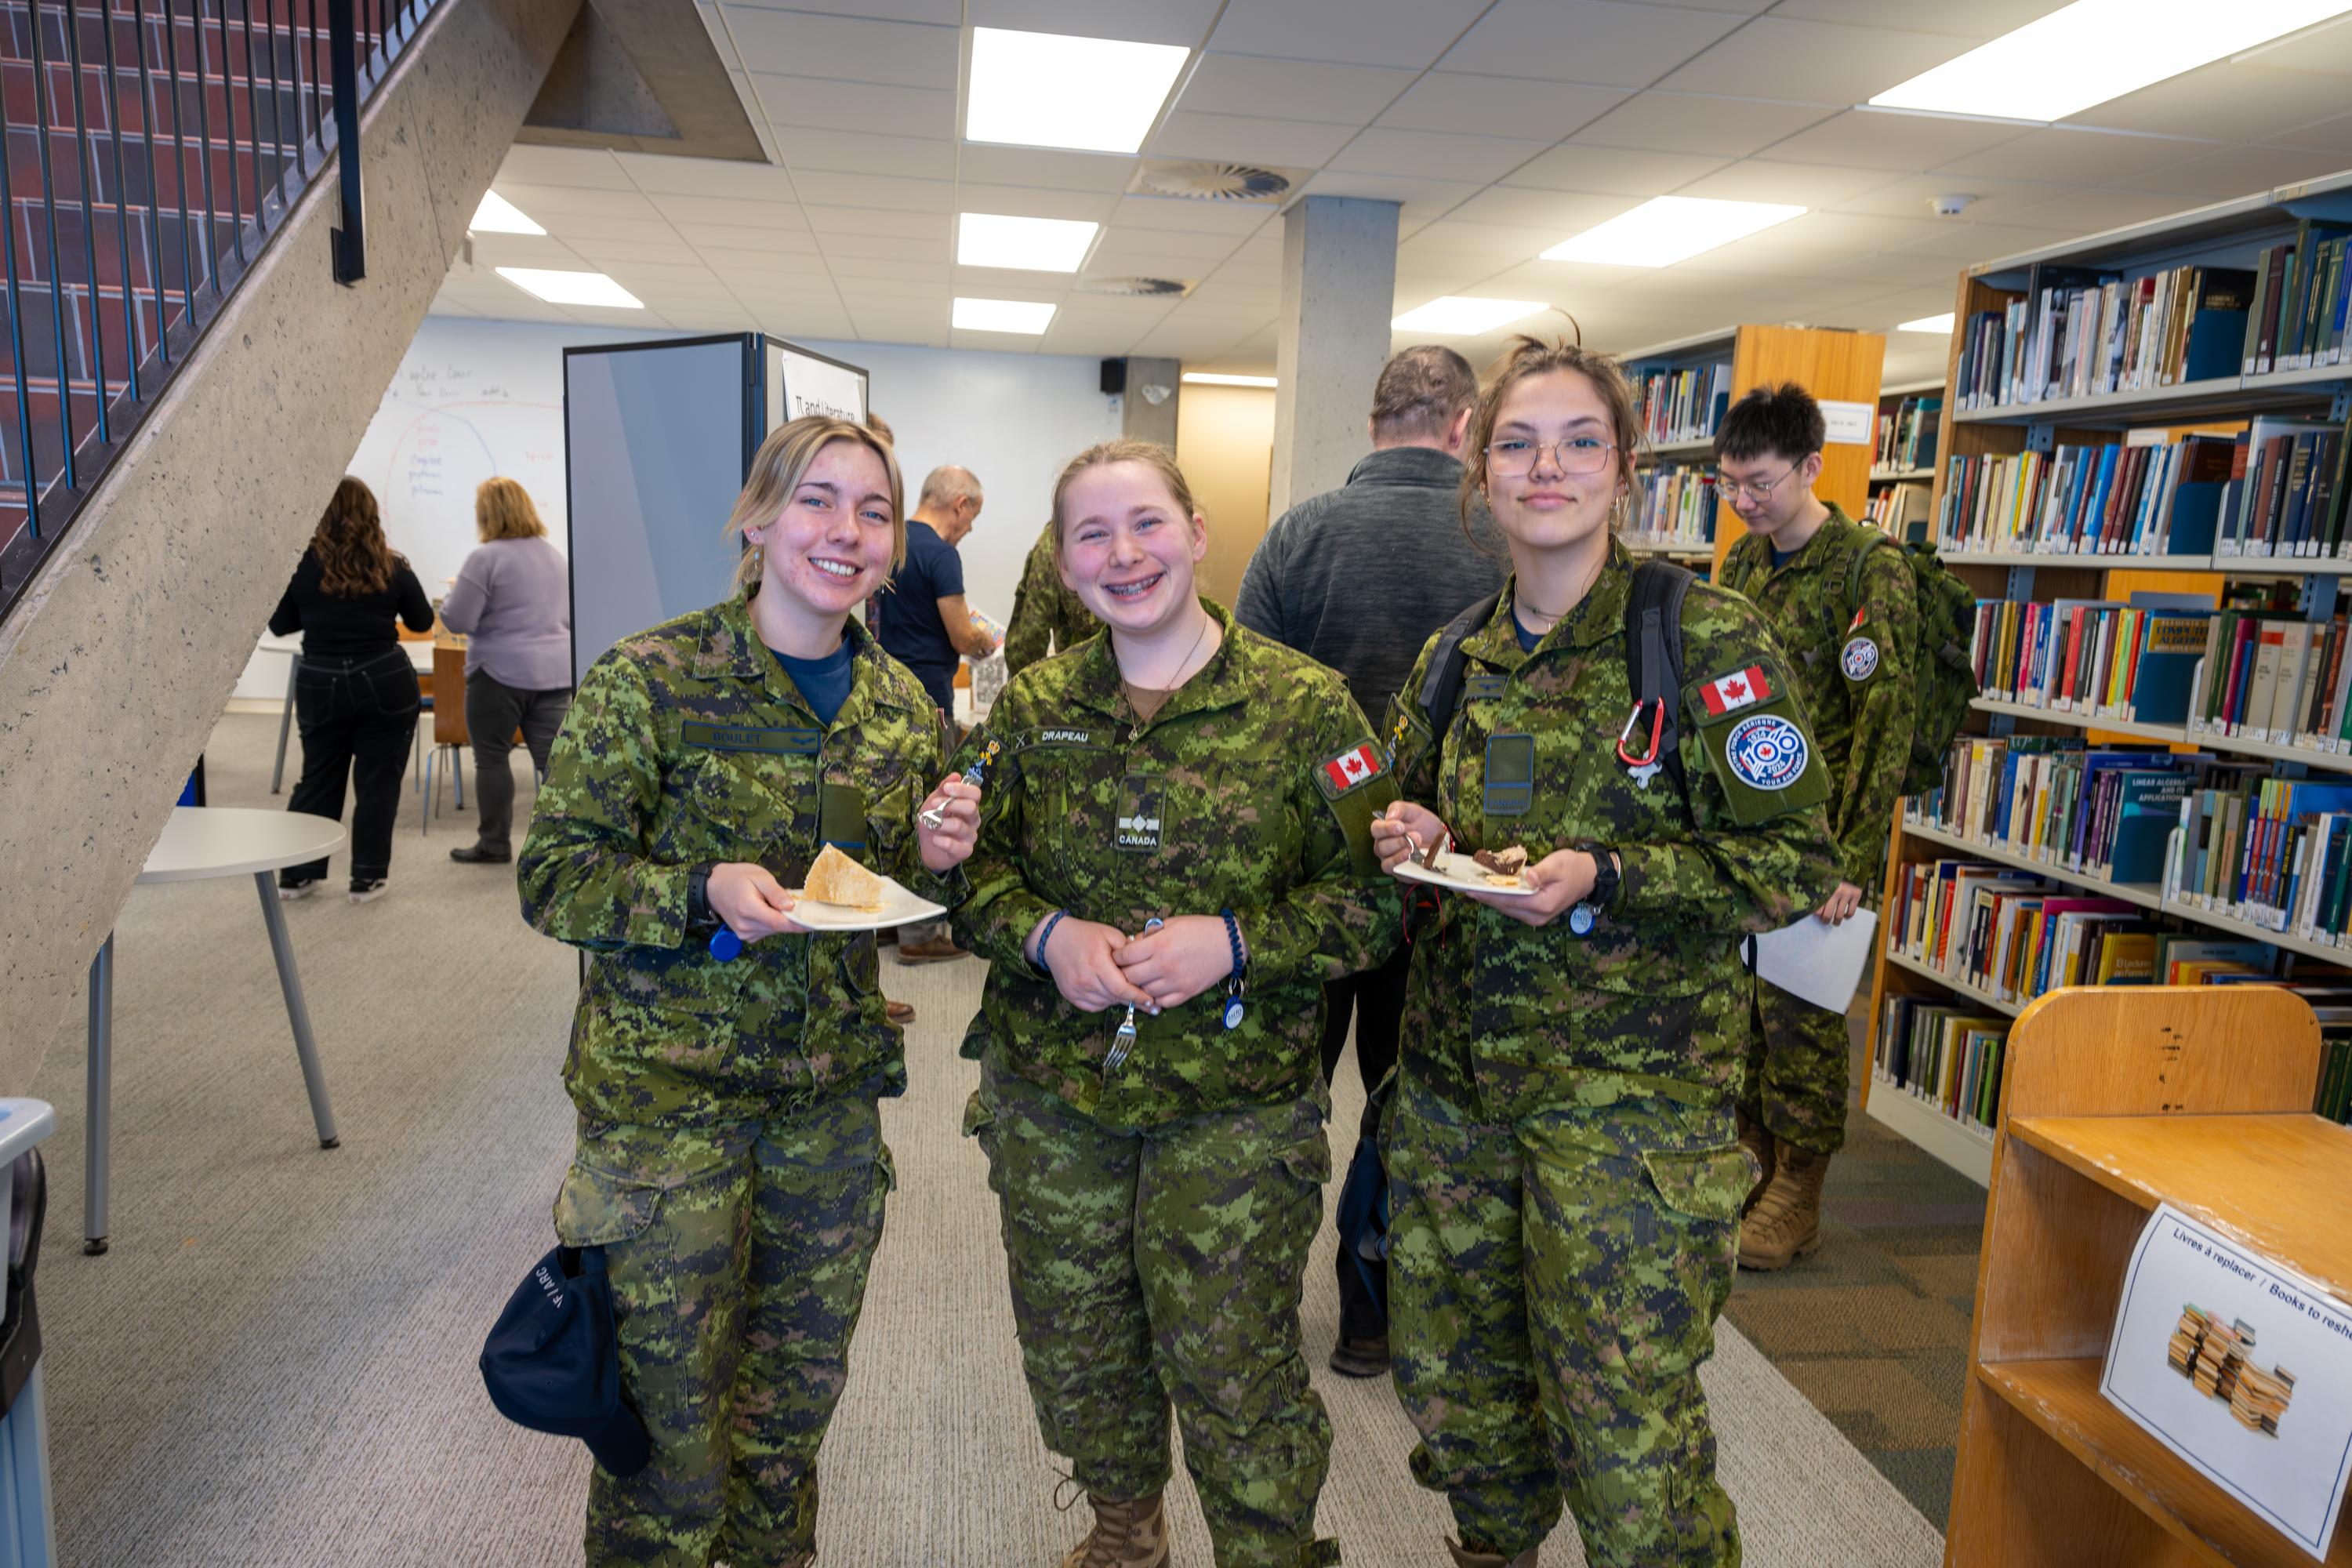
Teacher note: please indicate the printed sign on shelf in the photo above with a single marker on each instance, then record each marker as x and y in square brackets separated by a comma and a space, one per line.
[2242, 1367]
[1850, 424]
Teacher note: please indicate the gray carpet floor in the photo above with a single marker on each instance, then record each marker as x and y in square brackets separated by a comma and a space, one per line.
[274, 1364]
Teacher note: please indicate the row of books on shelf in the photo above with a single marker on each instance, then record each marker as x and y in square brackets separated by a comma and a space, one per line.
[1949, 1057]
[1907, 432]
[1683, 405]
[1675, 505]
[2098, 812]
[2240, 673]
[2274, 853]
[2277, 490]
[1901, 510]
[2080, 331]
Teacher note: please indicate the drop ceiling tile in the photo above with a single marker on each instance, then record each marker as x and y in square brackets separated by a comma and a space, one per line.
[2234, 171]
[909, 267]
[862, 153]
[849, 247]
[714, 23]
[1614, 171]
[1168, 243]
[690, 272]
[1820, 62]
[546, 204]
[2245, 102]
[1883, 139]
[546, 250]
[662, 176]
[832, 188]
[1812, 185]
[1435, 155]
[1896, 267]
[845, 49]
[1290, 90]
[1236, 218]
[730, 214]
[828, 104]
[2072, 156]
[1982, 241]
[2326, 49]
[1995, 200]
[1500, 105]
[1421, 278]
[930, 229]
[1240, 139]
[2089, 211]
[983, 163]
[1556, 213]
[1030, 201]
[1136, 21]
[725, 239]
[2332, 135]
[443, 305]
[1688, 122]
[993, 342]
[1502, 245]
[606, 316]
[527, 165]
[1410, 33]
[1587, 40]
[570, 226]
[1421, 199]
[1976, 21]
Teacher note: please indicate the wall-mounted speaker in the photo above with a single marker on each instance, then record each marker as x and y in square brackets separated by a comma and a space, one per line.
[1113, 376]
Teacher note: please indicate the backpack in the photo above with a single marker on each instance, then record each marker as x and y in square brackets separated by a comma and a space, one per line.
[1947, 679]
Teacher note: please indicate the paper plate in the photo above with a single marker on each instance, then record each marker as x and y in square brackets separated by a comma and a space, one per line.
[899, 908]
[1456, 872]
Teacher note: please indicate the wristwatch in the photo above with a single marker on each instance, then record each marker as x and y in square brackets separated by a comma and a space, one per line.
[1604, 891]
[700, 916]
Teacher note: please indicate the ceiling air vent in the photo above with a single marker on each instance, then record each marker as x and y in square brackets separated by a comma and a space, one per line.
[1137, 288]
[1210, 181]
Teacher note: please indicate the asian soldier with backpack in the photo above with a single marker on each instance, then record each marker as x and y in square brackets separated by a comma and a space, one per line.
[1874, 635]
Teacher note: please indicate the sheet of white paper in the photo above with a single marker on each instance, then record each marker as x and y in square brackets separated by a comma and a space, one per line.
[1817, 961]
[2280, 1325]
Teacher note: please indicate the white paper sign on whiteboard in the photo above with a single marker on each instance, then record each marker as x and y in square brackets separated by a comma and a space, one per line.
[800, 383]
[1850, 424]
[2242, 1368]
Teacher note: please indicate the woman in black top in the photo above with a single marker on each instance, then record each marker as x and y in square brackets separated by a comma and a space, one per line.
[355, 694]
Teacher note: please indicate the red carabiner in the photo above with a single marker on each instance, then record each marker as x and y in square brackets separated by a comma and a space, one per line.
[1657, 733]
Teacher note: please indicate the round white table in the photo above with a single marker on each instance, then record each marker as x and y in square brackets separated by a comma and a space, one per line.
[200, 842]
[420, 655]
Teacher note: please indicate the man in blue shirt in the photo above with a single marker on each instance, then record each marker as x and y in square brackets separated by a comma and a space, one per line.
[924, 624]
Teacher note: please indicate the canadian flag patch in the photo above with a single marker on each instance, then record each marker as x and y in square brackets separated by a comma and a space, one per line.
[1349, 769]
[1738, 690]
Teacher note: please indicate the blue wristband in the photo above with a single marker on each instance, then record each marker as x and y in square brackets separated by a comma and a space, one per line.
[1038, 963]
[1232, 1010]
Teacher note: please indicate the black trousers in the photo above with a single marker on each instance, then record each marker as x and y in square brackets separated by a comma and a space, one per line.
[1375, 999]
[493, 712]
[358, 716]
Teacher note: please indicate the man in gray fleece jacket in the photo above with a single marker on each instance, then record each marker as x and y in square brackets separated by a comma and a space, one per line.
[1359, 578]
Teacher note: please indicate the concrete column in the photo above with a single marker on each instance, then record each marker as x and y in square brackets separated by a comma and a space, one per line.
[1138, 415]
[1339, 293]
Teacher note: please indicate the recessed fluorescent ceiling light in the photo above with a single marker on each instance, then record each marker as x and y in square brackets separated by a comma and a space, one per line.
[1460, 315]
[571, 287]
[1668, 229]
[1002, 316]
[1942, 324]
[498, 216]
[1030, 244]
[2094, 51]
[1211, 378]
[1047, 89]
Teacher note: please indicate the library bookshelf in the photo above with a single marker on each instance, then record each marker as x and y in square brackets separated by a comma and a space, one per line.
[2235, 234]
[1903, 472]
[2117, 1101]
[1835, 365]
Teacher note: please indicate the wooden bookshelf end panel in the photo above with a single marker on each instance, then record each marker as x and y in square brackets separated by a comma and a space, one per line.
[2021, 1499]
[2161, 1050]
[2055, 1247]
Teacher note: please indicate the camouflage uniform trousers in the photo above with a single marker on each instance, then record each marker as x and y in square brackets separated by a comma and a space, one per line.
[738, 1255]
[1553, 1291]
[1799, 1060]
[1164, 1264]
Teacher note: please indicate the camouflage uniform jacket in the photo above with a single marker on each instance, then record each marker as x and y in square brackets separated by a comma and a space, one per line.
[1856, 671]
[1506, 1019]
[1043, 609]
[687, 744]
[1224, 801]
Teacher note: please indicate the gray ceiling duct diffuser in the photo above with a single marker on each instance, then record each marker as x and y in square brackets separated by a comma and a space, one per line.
[1209, 180]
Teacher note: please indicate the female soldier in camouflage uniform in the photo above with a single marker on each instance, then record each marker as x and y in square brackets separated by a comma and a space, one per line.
[1177, 855]
[731, 1159]
[1564, 1168]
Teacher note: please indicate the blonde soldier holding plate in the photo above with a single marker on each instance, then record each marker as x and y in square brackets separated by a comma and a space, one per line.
[1565, 1174]
[1177, 855]
[726, 1062]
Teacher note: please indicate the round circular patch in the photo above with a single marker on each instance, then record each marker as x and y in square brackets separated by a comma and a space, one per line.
[1861, 657]
[1766, 751]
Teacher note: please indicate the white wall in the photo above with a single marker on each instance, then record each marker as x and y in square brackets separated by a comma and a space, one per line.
[474, 398]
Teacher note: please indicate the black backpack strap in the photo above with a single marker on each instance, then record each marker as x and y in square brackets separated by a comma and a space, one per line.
[1653, 652]
[1442, 688]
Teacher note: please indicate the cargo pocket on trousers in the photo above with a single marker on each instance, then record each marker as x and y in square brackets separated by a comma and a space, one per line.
[979, 1126]
[599, 1208]
[1704, 1184]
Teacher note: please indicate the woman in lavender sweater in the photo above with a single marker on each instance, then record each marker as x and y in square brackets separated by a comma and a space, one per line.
[512, 602]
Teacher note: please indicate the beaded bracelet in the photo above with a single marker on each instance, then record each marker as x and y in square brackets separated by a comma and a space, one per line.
[1233, 984]
[1038, 963]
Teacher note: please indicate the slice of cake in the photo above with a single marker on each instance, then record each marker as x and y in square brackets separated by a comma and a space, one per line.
[835, 879]
[1502, 866]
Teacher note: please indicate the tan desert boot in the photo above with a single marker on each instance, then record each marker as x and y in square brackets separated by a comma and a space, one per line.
[1758, 1142]
[1786, 1223]
[1126, 1535]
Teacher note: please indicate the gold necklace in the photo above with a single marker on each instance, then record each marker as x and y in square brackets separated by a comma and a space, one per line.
[1176, 678]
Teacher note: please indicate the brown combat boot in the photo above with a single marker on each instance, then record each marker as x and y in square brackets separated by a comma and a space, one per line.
[1466, 1558]
[1786, 1223]
[1126, 1535]
[1758, 1142]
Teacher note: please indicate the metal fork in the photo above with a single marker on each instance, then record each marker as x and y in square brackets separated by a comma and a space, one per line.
[1122, 1040]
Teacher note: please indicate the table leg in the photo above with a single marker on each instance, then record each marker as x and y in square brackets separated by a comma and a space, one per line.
[297, 1012]
[285, 722]
[97, 1112]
